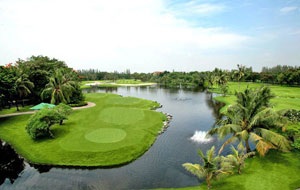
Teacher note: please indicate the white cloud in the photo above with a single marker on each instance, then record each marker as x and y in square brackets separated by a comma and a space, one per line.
[285, 10]
[109, 35]
[197, 8]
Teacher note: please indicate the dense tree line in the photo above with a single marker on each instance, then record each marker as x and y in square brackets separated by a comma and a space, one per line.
[38, 79]
[275, 75]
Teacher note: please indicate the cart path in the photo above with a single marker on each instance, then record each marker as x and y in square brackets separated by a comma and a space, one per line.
[90, 104]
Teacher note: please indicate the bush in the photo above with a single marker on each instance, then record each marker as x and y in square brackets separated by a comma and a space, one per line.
[82, 103]
[293, 115]
[296, 144]
[39, 124]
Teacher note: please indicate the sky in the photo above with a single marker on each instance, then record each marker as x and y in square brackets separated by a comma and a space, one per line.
[152, 35]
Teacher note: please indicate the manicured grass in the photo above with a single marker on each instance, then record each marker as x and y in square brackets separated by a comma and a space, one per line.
[280, 91]
[276, 171]
[277, 103]
[116, 131]
[286, 97]
[14, 110]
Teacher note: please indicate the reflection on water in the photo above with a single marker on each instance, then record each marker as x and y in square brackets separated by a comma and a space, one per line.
[10, 164]
[160, 167]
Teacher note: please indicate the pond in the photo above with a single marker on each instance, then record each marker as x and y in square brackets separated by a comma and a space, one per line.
[193, 111]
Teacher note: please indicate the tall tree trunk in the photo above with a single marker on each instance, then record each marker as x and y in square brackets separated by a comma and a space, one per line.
[239, 169]
[208, 183]
[247, 145]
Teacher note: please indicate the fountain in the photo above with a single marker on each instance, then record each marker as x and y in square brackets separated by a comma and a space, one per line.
[200, 137]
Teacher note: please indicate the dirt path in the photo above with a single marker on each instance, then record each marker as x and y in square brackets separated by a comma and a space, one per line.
[90, 104]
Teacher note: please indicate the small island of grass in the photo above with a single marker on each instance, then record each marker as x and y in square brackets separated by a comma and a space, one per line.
[116, 131]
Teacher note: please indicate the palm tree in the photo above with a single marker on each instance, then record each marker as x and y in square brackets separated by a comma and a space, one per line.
[253, 119]
[237, 159]
[240, 73]
[210, 79]
[212, 168]
[60, 87]
[23, 86]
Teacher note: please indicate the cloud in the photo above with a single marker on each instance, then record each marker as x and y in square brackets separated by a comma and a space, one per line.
[286, 10]
[109, 35]
[197, 8]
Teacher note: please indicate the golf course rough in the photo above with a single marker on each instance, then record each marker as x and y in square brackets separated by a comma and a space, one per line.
[115, 131]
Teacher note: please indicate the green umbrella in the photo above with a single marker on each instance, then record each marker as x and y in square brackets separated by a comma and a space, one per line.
[42, 105]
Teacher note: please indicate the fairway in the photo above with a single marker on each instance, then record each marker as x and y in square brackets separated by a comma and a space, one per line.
[115, 131]
[285, 97]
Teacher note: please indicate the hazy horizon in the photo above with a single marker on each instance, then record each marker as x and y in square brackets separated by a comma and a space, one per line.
[152, 35]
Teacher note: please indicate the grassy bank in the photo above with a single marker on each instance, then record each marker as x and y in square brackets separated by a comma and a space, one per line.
[276, 171]
[117, 130]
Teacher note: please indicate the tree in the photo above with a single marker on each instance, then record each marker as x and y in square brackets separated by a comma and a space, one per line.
[212, 168]
[39, 124]
[60, 87]
[237, 159]
[23, 85]
[39, 69]
[64, 110]
[253, 119]
[239, 74]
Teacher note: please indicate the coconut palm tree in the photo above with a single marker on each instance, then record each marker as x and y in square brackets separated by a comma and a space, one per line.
[60, 87]
[237, 159]
[240, 73]
[252, 119]
[212, 168]
[23, 86]
[210, 78]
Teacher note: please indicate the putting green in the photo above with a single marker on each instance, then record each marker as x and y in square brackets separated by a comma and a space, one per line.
[106, 135]
[115, 131]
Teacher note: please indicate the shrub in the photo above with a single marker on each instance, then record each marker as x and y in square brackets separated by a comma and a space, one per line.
[39, 124]
[293, 115]
[82, 103]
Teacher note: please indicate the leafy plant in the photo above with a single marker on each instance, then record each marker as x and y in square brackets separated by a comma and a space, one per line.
[212, 168]
[237, 159]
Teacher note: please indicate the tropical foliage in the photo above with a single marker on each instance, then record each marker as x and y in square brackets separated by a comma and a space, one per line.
[60, 88]
[237, 159]
[252, 119]
[212, 168]
[25, 80]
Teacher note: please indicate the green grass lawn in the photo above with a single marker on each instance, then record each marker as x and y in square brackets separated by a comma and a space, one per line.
[116, 131]
[14, 110]
[280, 91]
[276, 171]
[286, 97]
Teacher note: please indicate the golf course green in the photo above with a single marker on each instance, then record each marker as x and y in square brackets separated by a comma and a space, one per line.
[116, 131]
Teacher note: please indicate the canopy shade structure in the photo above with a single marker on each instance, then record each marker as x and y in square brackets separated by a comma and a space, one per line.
[42, 105]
